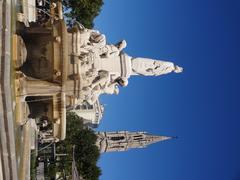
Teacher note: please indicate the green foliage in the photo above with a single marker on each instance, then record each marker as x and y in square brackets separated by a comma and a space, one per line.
[50, 172]
[86, 152]
[84, 11]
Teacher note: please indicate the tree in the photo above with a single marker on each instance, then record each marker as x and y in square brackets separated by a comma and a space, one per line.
[83, 11]
[86, 151]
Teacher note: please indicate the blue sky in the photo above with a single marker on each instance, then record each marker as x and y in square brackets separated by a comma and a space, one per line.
[200, 106]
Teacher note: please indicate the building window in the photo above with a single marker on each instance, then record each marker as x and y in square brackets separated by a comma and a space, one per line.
[117, 147]
[90, 106]
[138, 138]
[117, 138]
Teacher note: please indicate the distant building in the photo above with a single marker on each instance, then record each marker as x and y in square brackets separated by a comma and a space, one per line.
[92, 114]
[124, 140]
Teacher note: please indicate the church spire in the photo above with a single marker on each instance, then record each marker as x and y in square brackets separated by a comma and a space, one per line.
[124, 140]
[151, 139]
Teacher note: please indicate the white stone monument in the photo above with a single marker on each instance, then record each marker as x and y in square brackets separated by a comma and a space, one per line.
[104, 67]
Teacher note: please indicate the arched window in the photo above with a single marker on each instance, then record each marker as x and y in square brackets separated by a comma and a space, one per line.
[137, 137]
[117, 138]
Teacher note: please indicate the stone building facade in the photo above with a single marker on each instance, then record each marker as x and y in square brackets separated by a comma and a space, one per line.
[125, 140]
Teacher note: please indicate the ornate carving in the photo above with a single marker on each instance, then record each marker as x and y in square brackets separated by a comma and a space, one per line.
[103, 67]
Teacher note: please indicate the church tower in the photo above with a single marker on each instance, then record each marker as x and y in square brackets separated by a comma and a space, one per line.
[124, 140]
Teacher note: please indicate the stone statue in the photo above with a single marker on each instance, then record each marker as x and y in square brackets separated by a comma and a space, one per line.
[111, 50]
[104, 85]
[101, 84]
[149, 67]
[105, 67]
[85, 40]
[103, 80]
[98, 90]
[96, 40]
